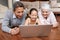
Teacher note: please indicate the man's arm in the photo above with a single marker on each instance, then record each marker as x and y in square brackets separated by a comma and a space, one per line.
[5, 22]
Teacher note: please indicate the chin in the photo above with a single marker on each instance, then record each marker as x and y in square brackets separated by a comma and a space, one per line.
[33, 19]
[45, 16]
[19, 17]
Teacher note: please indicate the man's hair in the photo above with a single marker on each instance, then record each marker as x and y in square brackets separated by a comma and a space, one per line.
[17, 4]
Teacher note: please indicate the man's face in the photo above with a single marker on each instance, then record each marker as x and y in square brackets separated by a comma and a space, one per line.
[19, 12]
[45, 13]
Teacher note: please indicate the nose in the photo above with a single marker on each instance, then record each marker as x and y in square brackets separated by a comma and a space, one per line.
[44, 13]
[21, 14]
[34, 16]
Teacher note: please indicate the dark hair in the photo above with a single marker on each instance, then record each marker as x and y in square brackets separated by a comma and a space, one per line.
[17, 4]
[32, 9]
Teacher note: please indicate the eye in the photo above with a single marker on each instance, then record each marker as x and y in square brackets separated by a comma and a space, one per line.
[21, 11]
[18, 12]
[46, 12]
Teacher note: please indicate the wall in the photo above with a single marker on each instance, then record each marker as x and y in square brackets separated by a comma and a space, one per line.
[3, 8]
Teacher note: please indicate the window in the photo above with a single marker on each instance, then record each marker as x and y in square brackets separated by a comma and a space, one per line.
[58, 1]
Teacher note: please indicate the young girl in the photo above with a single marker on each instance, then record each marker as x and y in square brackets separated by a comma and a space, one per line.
[33, 18]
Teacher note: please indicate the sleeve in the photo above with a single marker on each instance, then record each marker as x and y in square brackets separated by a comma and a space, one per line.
[53, 19]
[5, 23]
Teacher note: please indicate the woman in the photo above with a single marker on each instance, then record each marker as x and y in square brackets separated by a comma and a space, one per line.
[46, 16]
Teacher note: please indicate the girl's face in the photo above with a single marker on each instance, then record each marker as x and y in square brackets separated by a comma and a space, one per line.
[33, 15]
[45, 13]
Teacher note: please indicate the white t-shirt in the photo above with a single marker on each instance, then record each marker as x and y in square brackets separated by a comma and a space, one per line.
[50, 20]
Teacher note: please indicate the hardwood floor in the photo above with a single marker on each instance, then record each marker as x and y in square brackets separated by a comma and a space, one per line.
[57, 32]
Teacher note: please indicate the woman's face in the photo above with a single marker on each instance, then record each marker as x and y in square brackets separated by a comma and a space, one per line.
[33, 15]
[19, 12]
[45, 13]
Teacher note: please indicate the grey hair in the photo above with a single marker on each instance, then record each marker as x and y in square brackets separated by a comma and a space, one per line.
[45, 6]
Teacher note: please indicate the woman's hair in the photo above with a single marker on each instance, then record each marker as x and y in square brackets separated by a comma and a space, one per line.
[17, 4]
[33, 9]
[45, 6]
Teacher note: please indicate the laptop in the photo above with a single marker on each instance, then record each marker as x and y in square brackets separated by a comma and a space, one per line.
[35, 30]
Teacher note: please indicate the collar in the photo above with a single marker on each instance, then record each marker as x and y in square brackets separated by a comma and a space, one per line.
[14, 16]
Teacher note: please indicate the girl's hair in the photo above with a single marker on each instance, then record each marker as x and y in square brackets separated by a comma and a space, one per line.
[33, 9]
[17, 4]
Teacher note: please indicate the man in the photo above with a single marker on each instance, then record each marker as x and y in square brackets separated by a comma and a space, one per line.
[14, 18]
[46, 16]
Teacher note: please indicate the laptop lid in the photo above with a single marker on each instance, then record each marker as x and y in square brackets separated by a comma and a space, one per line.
[35, 30]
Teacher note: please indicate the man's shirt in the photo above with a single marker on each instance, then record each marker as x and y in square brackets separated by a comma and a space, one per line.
[10, 20]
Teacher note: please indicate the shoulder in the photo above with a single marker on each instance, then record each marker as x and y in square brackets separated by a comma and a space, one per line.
[9, 12]
[28, 19]
[37, 19]
[51, 14]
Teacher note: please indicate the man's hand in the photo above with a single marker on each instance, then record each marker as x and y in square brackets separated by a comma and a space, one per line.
[14, 31]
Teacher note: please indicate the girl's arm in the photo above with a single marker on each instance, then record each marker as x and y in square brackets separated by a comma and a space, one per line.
[27, 21]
